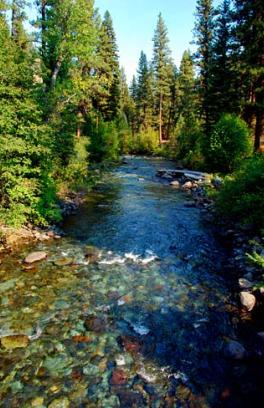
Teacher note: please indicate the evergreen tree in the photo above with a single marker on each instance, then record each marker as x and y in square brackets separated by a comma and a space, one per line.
[203, 32]
[249, 35]
[109, 73]
[144, 95]
[224, 88]
[187, 129]
[163, 73]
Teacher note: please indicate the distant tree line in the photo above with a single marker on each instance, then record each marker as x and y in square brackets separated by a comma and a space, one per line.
[65, 102]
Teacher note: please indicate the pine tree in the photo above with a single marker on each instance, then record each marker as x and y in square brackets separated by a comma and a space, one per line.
[203, 32]
[187, 112]
[249, 35]
[109, 72]
[224, 88]
[163, 73]
[144, 94]
[187, 86]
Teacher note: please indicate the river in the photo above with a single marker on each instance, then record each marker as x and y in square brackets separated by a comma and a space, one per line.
[141, 321]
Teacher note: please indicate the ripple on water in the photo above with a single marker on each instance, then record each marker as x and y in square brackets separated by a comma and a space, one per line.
[140, 324]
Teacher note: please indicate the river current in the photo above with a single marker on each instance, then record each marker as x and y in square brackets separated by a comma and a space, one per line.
[129, 309]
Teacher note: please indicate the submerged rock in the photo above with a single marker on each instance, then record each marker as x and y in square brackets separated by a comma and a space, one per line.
[130, 399]
[35, 257]
[131, 344]
[60, 403]
[15, 341]
[248, 300]
[235, 350]
[245, 283]
[92, 254]
[96, 324]
[119, 377]
[64, 262]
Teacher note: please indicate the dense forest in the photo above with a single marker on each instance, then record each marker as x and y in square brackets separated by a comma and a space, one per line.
[65, 103]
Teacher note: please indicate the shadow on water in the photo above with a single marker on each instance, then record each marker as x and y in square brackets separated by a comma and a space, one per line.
[144, 326]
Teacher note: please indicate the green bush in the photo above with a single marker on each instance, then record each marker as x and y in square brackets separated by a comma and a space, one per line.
[104, 141]
[146, 142]
[77, 169]
[185, 143]
[229, 144]
[242, 196]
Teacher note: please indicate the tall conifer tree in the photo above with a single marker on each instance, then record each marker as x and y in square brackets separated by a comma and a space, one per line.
[162, 68]
[249, 34]
[203, 32]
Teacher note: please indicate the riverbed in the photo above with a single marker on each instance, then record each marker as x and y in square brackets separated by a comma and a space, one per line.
[130, 308]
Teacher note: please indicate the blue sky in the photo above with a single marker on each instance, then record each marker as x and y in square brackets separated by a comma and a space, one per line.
[135, 21]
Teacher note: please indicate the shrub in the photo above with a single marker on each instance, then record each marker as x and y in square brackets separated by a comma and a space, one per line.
[186, 142]
[230, 143]
[104, 142]
[76, 171]
[242, 195]
[146, 142]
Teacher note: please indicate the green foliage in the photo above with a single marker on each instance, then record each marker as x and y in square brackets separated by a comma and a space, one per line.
[256, 259]
[77, 168]
[242, 196]
[230, 143]
[146, 142]
[185, 145]
[104, 141]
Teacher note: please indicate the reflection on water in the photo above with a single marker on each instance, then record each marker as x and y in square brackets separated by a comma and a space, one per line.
[140, 322]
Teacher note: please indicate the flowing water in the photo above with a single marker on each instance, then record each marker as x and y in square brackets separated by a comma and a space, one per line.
[140, 322]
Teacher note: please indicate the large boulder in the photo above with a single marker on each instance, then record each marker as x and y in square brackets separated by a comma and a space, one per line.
[247, 300]
[35, 257]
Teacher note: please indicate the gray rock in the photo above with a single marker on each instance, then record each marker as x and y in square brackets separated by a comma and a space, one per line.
[245, 284]
[35, 257]
[248, 300]
[235, 350]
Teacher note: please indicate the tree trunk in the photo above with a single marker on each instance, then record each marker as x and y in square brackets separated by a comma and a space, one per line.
[43, 26]
[259, 130]
[14, 20]
[160, 119]
[56, 71]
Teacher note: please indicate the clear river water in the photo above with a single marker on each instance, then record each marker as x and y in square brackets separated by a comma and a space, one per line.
[129, 309]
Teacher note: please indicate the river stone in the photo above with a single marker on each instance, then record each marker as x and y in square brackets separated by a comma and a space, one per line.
[175, 184]
[15, 341]
[119, 377]
[60, 403]
[95, 324]
[245, 283]
[38, 402]
[187, 185]
[235, 350]
[92, 254]
[248, 300]
[35, 257]
[63, 262]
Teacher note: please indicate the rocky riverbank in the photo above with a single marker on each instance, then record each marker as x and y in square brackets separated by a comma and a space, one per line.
[247, 278]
